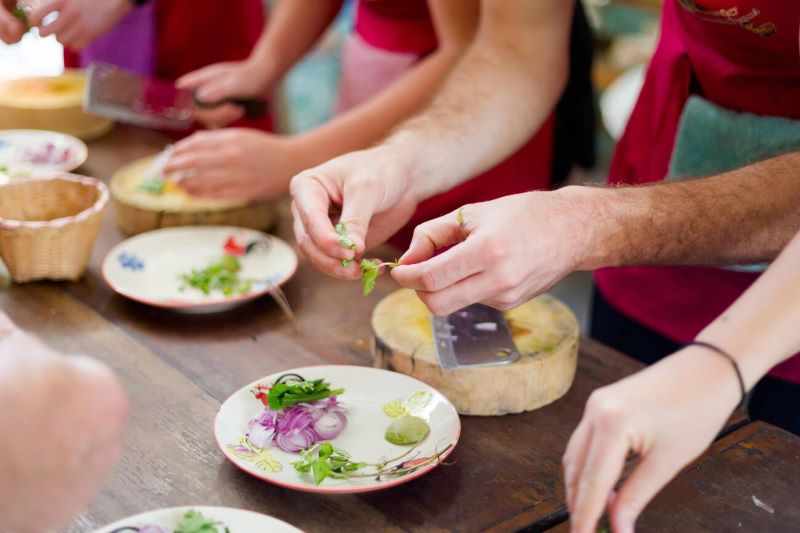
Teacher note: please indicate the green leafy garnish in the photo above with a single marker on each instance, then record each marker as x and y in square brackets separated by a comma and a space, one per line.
[21, 14]
[152, 185]
[369, 273]
[283, 394]
[324, 460]
[344, 240]
[194, 522]
[347, 262]
[220, 275]
[407, 430]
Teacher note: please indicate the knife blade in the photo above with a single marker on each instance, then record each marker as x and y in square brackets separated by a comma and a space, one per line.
[475, 336]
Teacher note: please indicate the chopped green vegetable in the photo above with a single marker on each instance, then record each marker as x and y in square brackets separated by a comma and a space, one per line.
[152, 185]
[282, 394]
[347, 262]
[344, 240]
[21, 14]
[369, 273]
[220, 275]
[194, 522]
[407, 430]
[323, 460]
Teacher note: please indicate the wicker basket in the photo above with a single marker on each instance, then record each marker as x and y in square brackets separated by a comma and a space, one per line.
[48, 225]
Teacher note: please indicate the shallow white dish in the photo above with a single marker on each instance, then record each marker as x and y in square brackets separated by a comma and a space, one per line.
[236, 520]
[148, 266]
[367, 391]
[38, 152]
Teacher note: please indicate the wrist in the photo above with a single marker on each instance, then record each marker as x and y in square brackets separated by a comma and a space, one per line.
[588, 210]
[264, 67]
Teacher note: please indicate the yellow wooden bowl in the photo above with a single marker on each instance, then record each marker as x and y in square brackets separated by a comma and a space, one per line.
[52, 103]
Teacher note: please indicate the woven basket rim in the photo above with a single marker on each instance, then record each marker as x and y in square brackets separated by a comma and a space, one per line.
[95, 208]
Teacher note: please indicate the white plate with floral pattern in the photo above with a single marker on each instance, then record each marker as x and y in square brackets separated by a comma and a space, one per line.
[226, 520]
[150, 267]
[373, 399]
[39, 152]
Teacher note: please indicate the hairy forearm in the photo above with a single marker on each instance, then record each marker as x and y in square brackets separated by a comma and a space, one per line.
[497, 96]
[760, 328]
[374, 119]
[744, 216]
[293, 28]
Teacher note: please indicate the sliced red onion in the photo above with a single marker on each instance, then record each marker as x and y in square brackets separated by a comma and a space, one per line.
[298, 426]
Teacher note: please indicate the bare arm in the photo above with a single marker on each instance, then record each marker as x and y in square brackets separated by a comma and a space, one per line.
[455, 22]
[496, 98]
[747, 215]
[654, 412]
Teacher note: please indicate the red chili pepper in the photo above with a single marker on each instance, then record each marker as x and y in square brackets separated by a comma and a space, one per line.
[233, 247]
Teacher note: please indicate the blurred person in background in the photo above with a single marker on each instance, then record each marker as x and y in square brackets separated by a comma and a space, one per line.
[160, 38]
[63, 421]
[399, 54]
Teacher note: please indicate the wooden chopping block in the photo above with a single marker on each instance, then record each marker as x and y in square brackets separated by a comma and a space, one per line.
[544, 330]
[138, 211]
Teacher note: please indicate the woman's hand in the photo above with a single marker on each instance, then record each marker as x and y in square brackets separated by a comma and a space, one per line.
[232, 79]
[373, 191]
[235, 163]
[502, 253]
[668, 414]
[79, 22]
[63, 435]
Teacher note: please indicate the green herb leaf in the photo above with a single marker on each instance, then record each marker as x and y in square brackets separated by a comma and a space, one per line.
[152, 185]
[344, 239]
[369, 275]
[220, 275]
[321, 470]
[22, 15]
[407, 430]
[347, 262]
[281, 395]
[194, 522]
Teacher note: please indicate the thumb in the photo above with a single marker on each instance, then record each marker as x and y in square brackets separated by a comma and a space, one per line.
[650, 475]
[433, 235]
[358, 207]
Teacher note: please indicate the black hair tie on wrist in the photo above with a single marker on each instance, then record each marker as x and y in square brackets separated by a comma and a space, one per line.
[727, 356]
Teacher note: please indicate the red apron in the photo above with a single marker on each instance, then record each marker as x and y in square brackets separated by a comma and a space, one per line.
[742, 55]
[405, 27]
[189, 37]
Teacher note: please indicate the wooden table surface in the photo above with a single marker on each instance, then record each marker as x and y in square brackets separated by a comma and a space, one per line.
[178, 369]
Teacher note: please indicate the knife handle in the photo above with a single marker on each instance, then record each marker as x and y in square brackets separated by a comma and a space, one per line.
[253, 107]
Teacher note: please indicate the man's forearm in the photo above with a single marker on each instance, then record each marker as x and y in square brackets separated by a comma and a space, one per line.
[497, 96]
[744, 216]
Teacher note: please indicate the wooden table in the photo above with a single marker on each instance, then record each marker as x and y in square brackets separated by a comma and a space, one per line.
[178, 368]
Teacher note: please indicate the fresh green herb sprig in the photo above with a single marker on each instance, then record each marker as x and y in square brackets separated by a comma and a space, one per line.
[222, 275]
[21, 14]
[194, 522]
[152, 185]
[283, 394]
[369, 273]
[344, 239]
[323, 460]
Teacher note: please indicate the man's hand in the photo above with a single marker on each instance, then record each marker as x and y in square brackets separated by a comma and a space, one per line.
[235, 163]
[371, 189]
[79, 22]
[233, 79]
[63, 431]
[502, 253]
[11, 28]
[655, 414]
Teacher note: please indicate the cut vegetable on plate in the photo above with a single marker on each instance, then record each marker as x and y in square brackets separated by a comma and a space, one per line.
[199, 268]
[324, 428]
[36, 152]
[199, 519]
